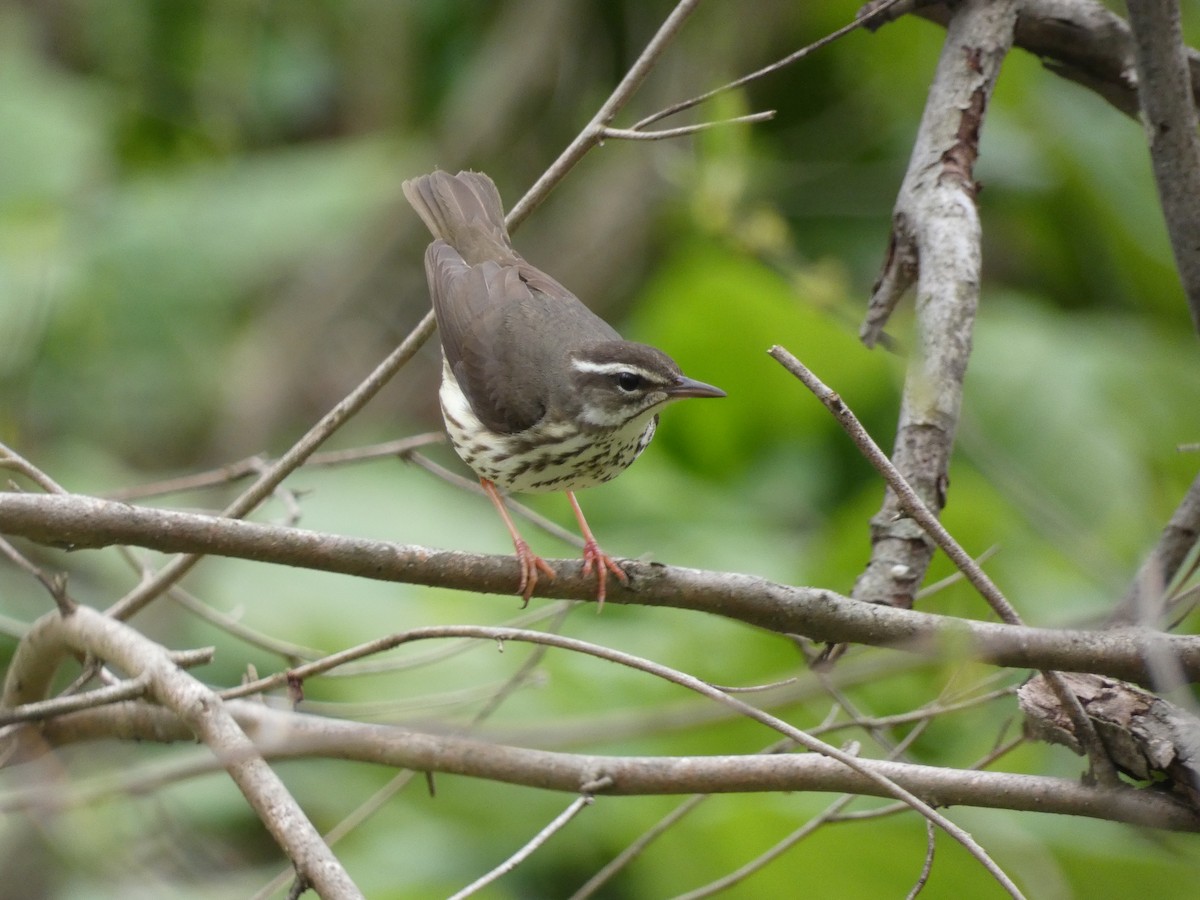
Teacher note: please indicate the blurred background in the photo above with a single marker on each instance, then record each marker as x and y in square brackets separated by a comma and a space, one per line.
[203, 247]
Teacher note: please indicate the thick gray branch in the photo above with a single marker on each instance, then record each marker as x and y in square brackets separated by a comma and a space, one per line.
[202, 714]
[935, 242]
[819, 614]
[1146, 736]
[1169, 114]
[1080, 40]
[283, 734]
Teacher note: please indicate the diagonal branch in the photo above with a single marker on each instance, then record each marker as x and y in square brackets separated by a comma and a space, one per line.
[266, 483]
[1169, 114]
[1101, 765]
[593, 133]
[1144, 600]
[935, 242]
[204, 714]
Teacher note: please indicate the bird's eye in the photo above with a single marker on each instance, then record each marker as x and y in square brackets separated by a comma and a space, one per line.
[629, 381]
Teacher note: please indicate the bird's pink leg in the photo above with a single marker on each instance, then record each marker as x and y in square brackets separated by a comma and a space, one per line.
[529, 561]
[594, 557]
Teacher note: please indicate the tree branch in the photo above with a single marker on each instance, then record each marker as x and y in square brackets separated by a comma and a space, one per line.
[266, 483]
[205, 716]
[1144, 600]
[1080, 40]
[281, 734]
[73, 520]
[935, 241]
[911, 503]
[1169, 114]
[593, 132]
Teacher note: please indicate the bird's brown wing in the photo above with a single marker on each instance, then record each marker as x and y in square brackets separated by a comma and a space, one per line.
[507, 332]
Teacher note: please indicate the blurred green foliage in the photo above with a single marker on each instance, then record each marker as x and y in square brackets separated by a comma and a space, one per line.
[202, 248]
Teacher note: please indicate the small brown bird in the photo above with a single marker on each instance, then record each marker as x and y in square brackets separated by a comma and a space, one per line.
[538, 393]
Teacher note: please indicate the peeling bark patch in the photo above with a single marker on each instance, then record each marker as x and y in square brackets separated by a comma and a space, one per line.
[958, 162]
[974, 58]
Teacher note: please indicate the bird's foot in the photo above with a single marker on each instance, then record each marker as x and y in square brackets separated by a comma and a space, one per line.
[530, 562]
[595, 558]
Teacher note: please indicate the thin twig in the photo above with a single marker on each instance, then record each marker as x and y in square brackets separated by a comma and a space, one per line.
[865, 17]
[908, 498]
[639, 846]
[1143, 600]
[593, 132]
[11, 459]
[256, 465]
[57, 706]
[287, 650]
[222, 475]
[634, 134]
[1101, 765]
[266, 483]
[56, 586]
[927, 868]
[762, 860]
[691, 683]
[828, 815]
[954, 577]
[560, 821]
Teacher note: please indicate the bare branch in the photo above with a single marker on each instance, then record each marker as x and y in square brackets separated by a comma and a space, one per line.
[633, 134]
[266, 483]
[593, 132]
[1080, 40]
[1169, 114]
[560, 821]
[817, 613]
[935, 241]
[56, 585]
[1143, 601]
[282, 734]
[57, 706]
[911, 503]
[905, 495]
[202, 712]
[867, 16]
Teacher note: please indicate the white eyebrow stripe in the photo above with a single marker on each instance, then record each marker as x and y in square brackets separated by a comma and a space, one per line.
[612, 368]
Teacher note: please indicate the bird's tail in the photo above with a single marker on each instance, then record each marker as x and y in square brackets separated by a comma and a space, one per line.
[464, 210]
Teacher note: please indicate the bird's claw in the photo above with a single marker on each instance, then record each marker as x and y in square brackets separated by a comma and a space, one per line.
[602, 563]
[529, 562]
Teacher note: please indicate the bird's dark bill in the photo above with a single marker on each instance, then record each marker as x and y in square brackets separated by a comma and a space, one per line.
[689, 387]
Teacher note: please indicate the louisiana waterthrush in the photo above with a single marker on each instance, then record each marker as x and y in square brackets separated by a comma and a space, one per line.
[538, 393]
